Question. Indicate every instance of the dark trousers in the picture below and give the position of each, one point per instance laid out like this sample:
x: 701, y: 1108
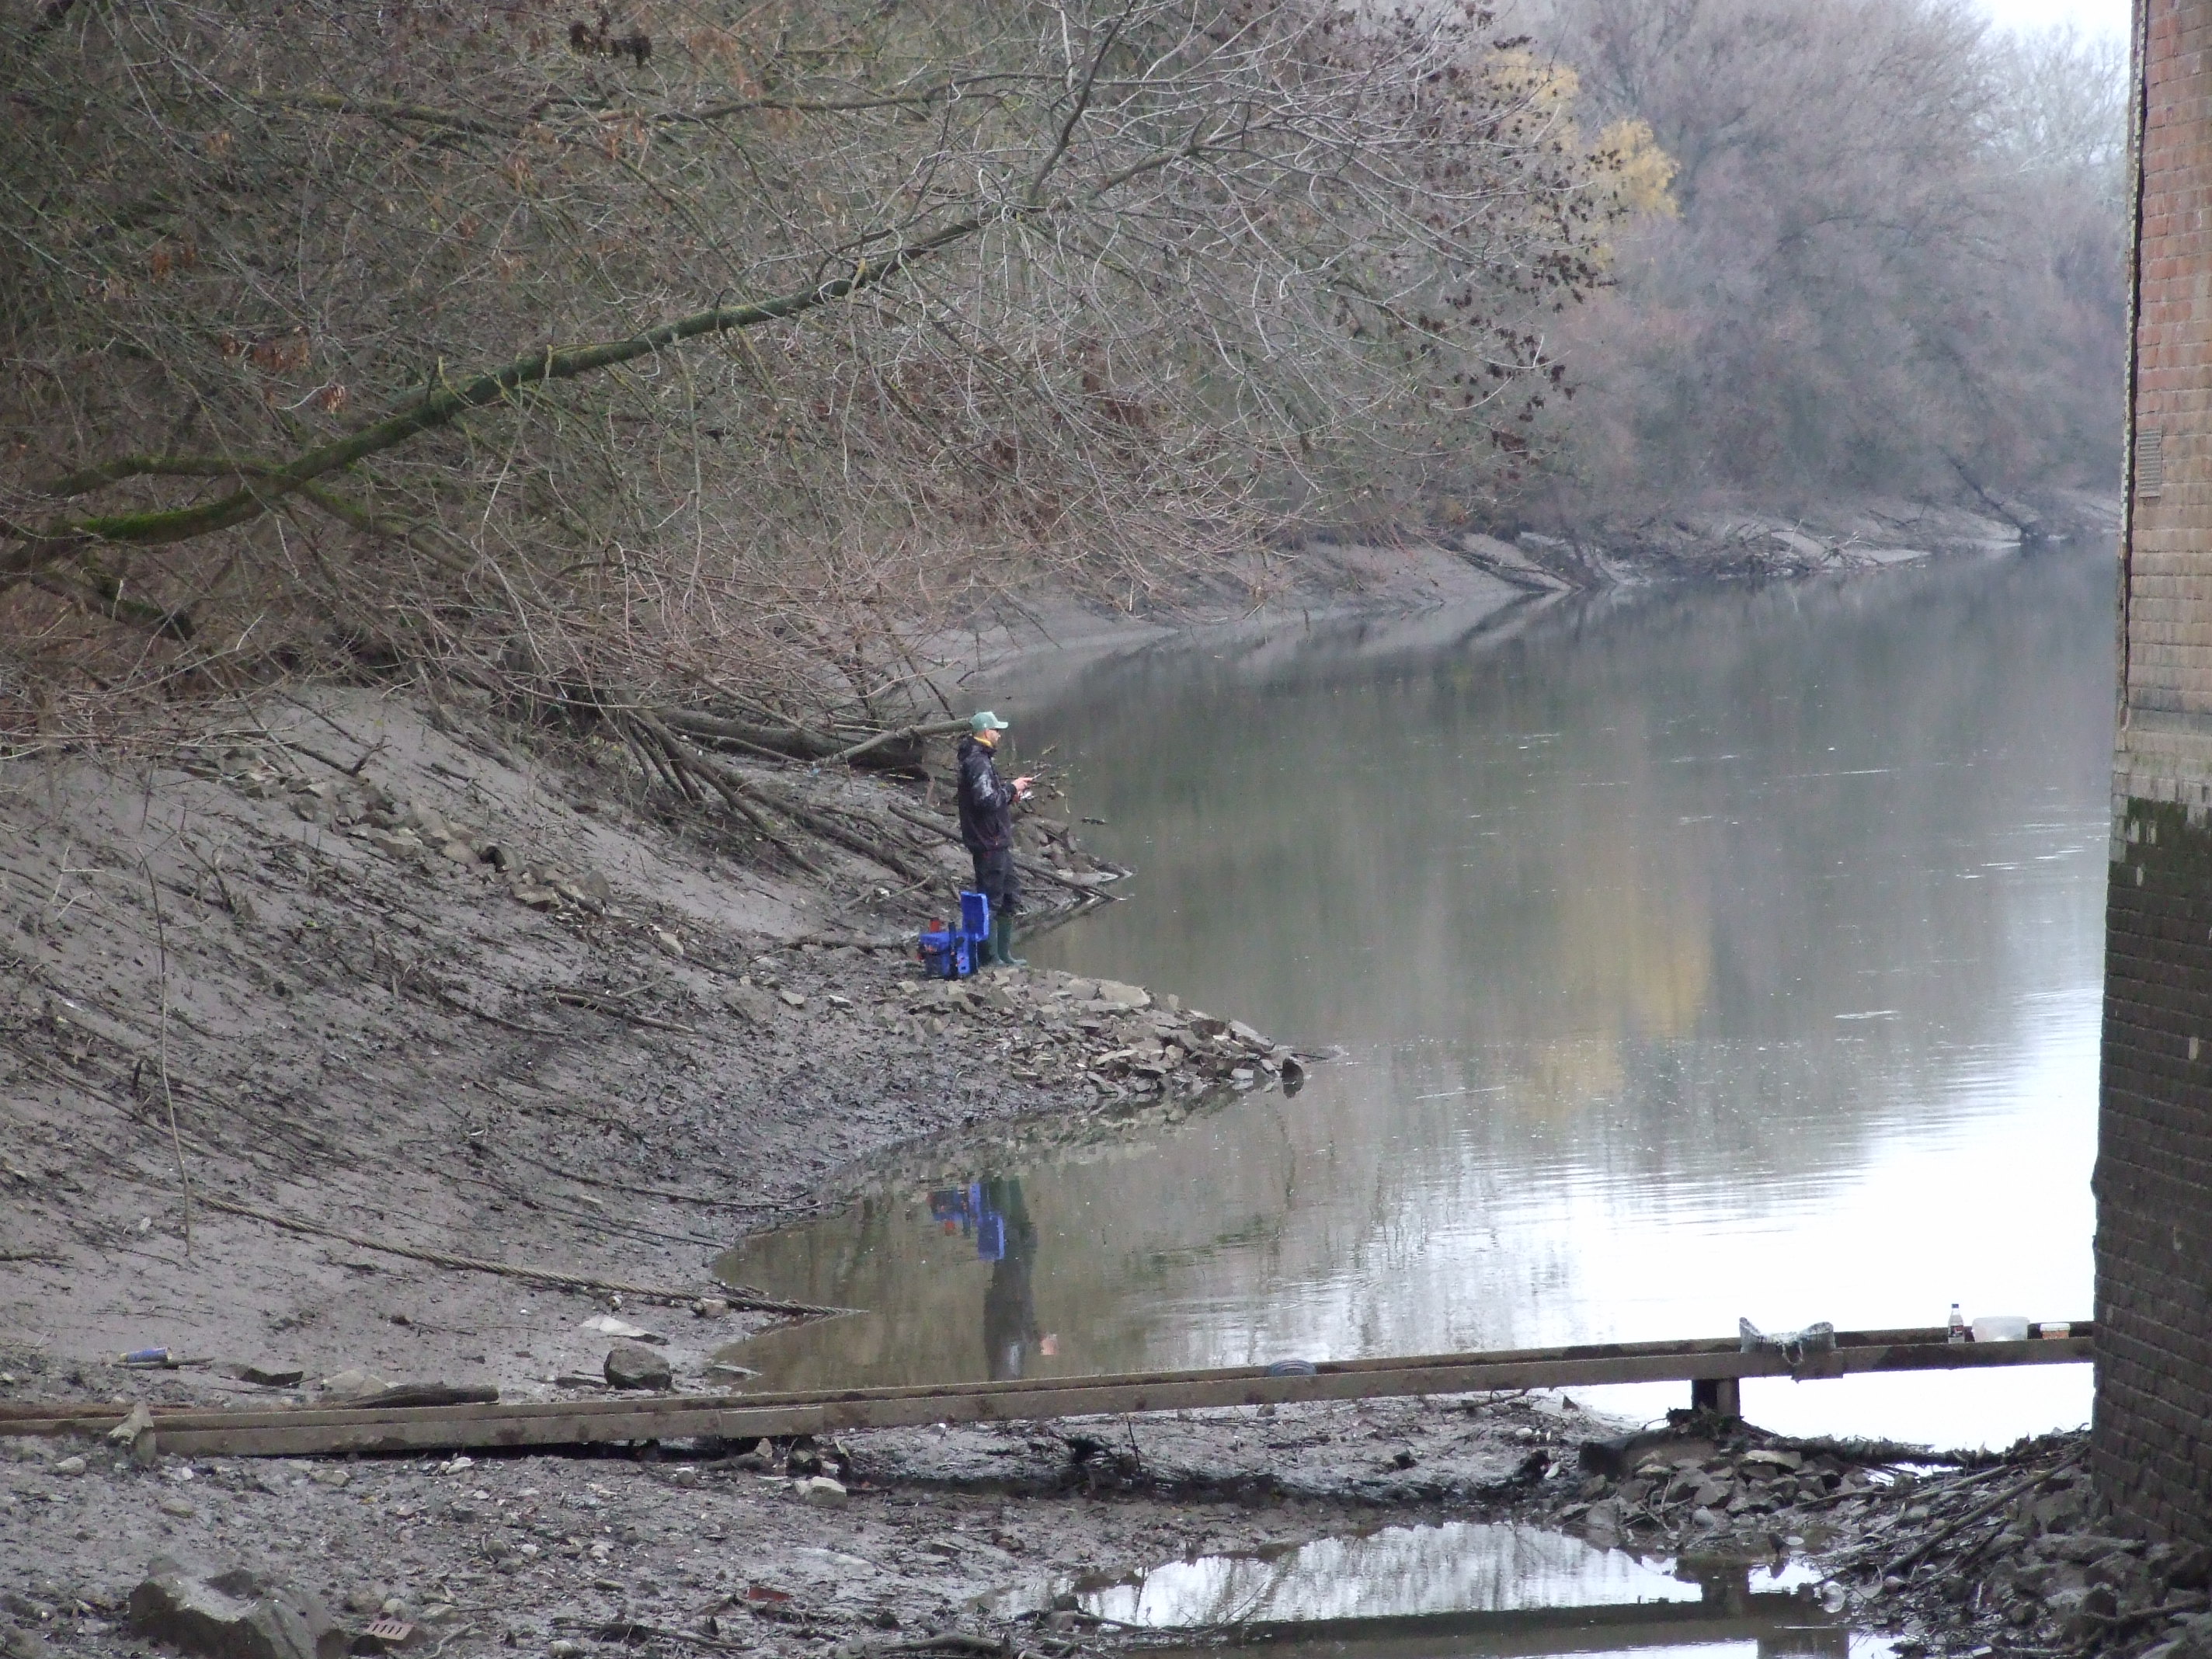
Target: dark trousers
x: 997, y: 881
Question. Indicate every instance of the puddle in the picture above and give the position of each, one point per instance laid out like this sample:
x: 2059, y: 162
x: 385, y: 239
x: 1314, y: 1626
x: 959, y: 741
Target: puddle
x: 999, y: 1260
x: 1468, y: 1586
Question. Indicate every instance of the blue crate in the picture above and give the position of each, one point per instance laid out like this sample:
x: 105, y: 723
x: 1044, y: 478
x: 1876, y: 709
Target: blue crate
x: 956, y: 952
x: 976, y: 916
x: 945, y: 954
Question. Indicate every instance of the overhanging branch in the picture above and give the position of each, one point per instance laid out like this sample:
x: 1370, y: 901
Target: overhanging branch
x: 271, y: 484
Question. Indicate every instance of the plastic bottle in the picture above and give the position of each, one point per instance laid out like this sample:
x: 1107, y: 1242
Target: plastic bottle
x: 1958, y: 1324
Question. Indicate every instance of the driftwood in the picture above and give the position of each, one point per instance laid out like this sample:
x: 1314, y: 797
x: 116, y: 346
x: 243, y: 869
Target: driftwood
x: 659, y: 745
x: 907, y: 737
x: 762, y: 803
x: 666, y: 741
x: 1934, y: 1540
x: 790, y: 742
x: 844, y: 826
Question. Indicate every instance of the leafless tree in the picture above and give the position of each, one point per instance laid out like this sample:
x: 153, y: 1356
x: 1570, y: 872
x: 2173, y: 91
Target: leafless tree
x: 703, y: 350
x: 1895, y: 257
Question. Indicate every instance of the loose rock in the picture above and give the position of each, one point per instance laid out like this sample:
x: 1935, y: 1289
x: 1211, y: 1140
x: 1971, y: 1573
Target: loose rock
x: 231, y: 1615
x: 632, y: 1365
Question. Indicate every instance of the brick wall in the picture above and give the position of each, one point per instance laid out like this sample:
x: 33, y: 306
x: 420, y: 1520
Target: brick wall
x: 2153, y: 1439
x: 2154, y: 1421
x: 2169, y: 623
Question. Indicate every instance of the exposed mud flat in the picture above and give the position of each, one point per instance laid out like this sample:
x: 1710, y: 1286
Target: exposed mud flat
x: 1706, y: 542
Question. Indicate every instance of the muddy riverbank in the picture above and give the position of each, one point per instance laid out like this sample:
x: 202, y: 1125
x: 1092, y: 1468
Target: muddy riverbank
x: 1168, y: 1529
x: 596, y: 1060
x: 287, y: 1047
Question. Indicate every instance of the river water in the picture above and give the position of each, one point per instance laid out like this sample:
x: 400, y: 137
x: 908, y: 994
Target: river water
x: 1695, y: 955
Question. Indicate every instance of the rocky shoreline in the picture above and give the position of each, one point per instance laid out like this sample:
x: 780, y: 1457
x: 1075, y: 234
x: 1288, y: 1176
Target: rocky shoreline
x: 969, y: 1538
x: 2008, y: 1552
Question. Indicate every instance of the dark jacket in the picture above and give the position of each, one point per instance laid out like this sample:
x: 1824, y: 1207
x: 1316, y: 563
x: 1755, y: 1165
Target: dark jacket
x: 987, y: 821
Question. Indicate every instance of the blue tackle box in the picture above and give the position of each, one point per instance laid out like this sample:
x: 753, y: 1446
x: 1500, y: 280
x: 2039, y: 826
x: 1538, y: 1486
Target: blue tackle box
x: 956, y: 952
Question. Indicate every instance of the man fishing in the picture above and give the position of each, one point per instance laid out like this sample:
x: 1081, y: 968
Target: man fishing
x: 987, y: 826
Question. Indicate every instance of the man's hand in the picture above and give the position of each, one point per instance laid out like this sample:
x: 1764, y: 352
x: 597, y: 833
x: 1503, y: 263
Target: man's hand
x: 1022, y: 788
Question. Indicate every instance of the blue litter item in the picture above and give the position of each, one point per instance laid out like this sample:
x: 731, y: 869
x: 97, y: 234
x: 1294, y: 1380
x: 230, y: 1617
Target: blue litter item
x: 956, y: 952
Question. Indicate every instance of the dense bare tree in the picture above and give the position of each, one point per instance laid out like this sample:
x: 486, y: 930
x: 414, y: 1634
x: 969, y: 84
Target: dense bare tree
x: 1895, y: 263
x: 720, y: 346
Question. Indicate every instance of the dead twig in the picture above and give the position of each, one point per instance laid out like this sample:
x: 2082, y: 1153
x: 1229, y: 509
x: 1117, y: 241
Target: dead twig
x: 1934, y: 1540
x: 453, y: 1001
x: 512, y: 1270
x: 903, y: 734
x: 161, y: 1046
x: 619, y: 1011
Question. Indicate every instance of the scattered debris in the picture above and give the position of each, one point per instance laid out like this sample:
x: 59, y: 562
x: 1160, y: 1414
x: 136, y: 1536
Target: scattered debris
x: 136, y: 1434
x: 1111, y: 1037
x: 2009, y: 1548
x: 264, y: 1376
x: 354, y: 1383
x: 608, y: 1325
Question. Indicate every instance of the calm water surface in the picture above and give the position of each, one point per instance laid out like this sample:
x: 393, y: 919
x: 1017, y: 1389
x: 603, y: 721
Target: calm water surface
x: 1466, y: 1588
x: 1696, y: 955
x: 1410, y: 1572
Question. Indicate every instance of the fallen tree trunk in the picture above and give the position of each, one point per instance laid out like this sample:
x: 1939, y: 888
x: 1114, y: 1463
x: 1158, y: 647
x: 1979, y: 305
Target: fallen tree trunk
x: 732, y: 786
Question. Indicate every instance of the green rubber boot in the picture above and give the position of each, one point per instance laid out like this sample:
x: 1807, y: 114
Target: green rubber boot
x: 1002, y: 944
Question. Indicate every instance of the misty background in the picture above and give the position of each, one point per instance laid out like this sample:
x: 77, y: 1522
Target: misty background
x: 1888, y: 258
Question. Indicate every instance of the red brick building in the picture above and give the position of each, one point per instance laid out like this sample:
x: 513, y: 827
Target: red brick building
x: 2153, y: 1415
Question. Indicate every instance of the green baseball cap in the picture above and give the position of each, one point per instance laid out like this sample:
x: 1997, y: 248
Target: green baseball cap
x: 985, y: 720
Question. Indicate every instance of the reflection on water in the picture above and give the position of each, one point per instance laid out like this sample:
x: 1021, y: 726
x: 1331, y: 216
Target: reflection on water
x: 1697, y: 955
x: 1462, y: 1587
x: 1462, y: 1566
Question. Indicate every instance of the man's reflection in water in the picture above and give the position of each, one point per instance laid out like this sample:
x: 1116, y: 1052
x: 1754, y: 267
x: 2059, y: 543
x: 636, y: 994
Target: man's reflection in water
x: 992, y: 1213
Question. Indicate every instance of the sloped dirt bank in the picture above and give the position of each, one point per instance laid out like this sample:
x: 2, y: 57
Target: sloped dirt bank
x: 369, y: 987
